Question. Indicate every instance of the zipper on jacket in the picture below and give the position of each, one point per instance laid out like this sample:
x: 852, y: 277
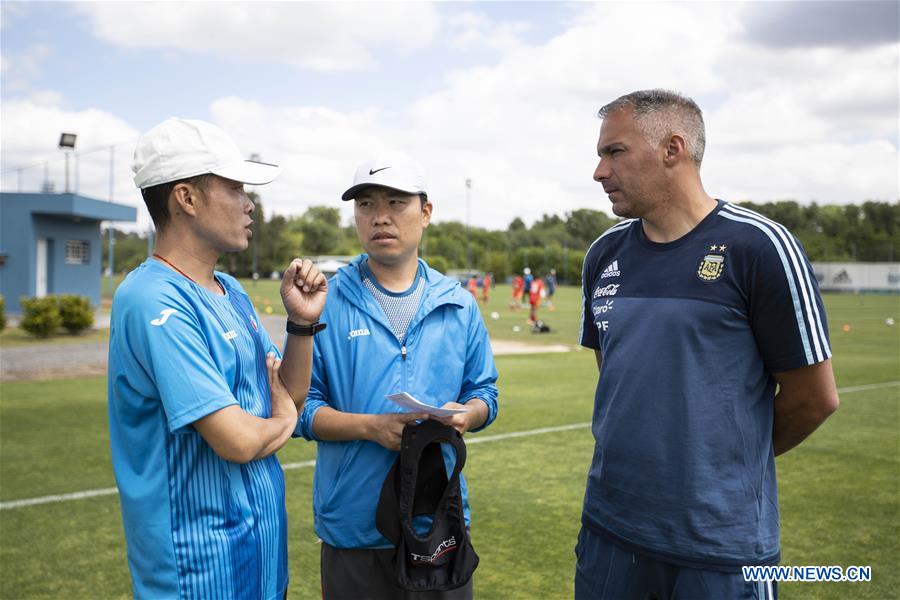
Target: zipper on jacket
x: 403, y: 351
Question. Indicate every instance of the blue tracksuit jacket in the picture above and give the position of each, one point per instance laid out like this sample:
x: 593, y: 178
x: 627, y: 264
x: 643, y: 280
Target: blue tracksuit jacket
x: 446, y: 357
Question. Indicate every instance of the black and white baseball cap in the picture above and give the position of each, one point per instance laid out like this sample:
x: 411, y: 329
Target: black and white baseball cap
x: 391, y: 170
x: 181, y: 148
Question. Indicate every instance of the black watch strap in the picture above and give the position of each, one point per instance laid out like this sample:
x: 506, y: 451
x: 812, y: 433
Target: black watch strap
x: 307, y: 330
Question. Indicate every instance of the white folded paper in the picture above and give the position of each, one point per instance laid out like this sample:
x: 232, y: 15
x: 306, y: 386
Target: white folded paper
x: 408, y: 402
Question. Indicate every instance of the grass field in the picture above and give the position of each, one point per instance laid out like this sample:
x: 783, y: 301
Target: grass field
x: 14, y: 337
x: 840, y: 490
x: 563, y: 318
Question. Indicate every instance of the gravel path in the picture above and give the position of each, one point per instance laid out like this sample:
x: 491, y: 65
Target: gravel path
x: 53, y: 361
x: 56, y: 361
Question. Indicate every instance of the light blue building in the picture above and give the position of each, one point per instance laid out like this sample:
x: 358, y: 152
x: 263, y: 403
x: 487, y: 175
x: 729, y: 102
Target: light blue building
x: 51, y: 244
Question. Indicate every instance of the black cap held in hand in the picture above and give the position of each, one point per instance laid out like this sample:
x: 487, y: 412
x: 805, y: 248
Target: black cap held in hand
x: 417, y: 484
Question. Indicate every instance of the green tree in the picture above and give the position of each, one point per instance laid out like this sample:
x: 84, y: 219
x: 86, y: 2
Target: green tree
x: 438, y: 263
x: 321, y: 228
x: 240, y: 264
x: 129, y: 250
x: 584, y: 225
x: 870, y: 232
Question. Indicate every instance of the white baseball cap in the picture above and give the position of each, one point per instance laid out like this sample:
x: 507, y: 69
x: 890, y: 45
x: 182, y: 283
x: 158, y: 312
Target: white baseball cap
x: 181, y: 148
x: 391, y: 170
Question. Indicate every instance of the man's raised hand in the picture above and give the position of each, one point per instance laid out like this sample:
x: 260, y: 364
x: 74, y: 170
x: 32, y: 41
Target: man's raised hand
x: 303, y: 291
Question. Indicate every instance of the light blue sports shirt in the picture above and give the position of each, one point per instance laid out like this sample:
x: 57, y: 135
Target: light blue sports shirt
x: 196, y: 525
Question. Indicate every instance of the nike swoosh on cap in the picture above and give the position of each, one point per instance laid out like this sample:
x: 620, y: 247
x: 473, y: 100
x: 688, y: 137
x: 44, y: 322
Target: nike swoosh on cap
x: 373, y: 171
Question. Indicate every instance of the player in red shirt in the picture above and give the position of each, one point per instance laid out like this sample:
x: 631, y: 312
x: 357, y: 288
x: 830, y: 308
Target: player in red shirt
x: 486, y: 287
x: 473, y: 287
x: 534, y: 297
x: 518, y: 286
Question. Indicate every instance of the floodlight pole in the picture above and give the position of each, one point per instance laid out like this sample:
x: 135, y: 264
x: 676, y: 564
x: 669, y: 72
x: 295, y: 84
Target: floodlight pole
x: 67, y: 143
x: 66, y: 152
x: 468, y: 241
x: 112, y: 171
x: 112, y: 267
x: 112, y: 165
x: 253, y: 275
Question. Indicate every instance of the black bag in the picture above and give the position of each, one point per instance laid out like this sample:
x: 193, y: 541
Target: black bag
x: 540, y: 327
x: 442, y: 559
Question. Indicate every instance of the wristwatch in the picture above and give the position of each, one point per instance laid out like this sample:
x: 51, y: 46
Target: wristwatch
x: 305, y: 330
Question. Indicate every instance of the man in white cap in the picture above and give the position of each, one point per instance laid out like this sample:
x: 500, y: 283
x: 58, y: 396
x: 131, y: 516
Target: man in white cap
x: 198, y: 403
x: 395, y: 325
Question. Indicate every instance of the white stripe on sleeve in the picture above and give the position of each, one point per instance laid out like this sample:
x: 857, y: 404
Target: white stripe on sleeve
x: 812, y: 308
x: 805, y: 309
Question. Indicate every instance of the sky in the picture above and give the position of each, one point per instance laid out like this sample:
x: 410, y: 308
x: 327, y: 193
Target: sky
x: 801, y: 99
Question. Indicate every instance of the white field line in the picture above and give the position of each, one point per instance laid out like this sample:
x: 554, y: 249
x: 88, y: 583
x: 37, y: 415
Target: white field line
x: 58, y: 498
x: 310, y: 463
x: 869, y: 386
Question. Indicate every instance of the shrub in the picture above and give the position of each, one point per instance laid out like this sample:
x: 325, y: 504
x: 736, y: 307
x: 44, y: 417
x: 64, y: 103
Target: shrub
x: 2, y: 313
x: 40, y: 316
x: 76, y: 312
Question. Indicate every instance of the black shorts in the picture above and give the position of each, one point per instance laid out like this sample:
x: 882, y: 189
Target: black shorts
x: 368, y: 574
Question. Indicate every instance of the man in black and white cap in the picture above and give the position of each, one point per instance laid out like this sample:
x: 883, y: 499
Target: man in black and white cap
x: 394, y: 325
x: 198, y: 403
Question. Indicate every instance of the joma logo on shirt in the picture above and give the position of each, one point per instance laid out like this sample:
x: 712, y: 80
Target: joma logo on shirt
x: 163, y: 317
x: 358, y: 332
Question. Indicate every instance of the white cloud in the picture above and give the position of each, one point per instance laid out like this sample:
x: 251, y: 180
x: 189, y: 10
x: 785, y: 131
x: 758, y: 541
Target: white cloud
x: 317, y: 147
x: 472, y: 31
x: 843, y: 94
x: 20, y: 69
x: 29, y: 140
x: 46, y: 98
x: 525, y: 130
x: 324, y: 36
x: 816, y: 124
x: 824, y: 172
x: 812, y: 124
